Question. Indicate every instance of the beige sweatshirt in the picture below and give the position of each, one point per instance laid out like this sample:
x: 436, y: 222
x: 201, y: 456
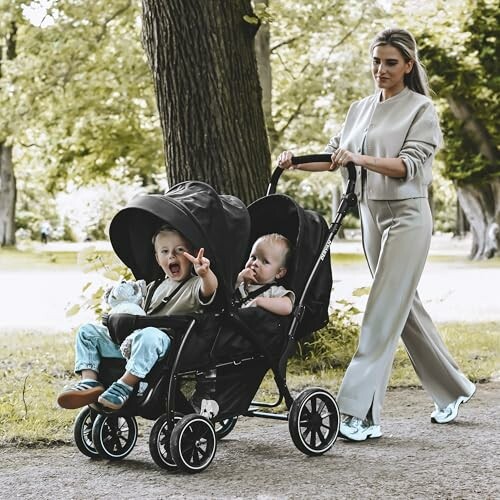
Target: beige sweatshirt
x: 405, y: 126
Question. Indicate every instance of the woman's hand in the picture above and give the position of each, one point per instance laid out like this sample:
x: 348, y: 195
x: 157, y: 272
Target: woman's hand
x: 342, y: 157
x: 285, y: 160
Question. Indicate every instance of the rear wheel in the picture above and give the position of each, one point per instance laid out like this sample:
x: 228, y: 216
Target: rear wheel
x: 113, y: 436
x: 159, y: 443
x: 82, y: 432
x: 193, y: 443
x: 313, y: 421
x: 224, y: 427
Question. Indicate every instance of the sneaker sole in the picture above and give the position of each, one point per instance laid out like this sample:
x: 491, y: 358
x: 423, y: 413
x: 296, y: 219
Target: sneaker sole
x: 373, y: 435
x: 453, y: 416
x: 109, y: 405
x: 77, y: 399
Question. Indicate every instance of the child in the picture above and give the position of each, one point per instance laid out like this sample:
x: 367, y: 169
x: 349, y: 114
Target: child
x: 180, y: 292
x: 257, y: 283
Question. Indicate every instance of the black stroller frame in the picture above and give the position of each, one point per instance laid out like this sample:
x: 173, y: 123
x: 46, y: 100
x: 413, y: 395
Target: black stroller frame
x: 183, y: 439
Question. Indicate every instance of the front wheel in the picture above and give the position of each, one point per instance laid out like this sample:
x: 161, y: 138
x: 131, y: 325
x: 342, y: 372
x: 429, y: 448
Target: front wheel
x: 159, y: 443
x: 82, y: 432
x: 114, y: 437
x: 193, y: 443
x: 314, y: 421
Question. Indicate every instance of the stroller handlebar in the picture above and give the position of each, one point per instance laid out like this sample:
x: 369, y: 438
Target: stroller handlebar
x: 316, y: 158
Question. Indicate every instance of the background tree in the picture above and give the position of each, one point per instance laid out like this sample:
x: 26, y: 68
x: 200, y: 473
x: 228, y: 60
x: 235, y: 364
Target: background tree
x: 78, y: 99
x: 8, y: 191
x: 465, y: 76
x: 202, y: 57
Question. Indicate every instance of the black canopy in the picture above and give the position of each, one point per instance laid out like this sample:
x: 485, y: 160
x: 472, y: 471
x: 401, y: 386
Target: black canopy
x: 218, y: 223
x: 308, y: 232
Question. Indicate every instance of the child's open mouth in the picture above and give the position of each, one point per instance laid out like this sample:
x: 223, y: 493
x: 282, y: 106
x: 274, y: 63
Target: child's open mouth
x: 174, y: 269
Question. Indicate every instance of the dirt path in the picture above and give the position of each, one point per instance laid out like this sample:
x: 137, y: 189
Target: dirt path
x: 414, y: 459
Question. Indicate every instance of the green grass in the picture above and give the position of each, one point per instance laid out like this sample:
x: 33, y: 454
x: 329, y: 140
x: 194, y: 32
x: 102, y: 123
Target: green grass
x: 13, y: 259
x: 35, y: 366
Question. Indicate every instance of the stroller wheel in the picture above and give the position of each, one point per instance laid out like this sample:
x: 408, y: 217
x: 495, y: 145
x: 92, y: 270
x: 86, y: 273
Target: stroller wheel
x: 113, y: 436
x: 224, y: 427
x: 193, y: 443
x: 82, y: 432
x: 314, y: 421
x: 159, y: 443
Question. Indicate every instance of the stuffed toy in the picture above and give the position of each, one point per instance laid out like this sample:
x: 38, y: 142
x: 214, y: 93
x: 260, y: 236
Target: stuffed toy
x: 126, y: 297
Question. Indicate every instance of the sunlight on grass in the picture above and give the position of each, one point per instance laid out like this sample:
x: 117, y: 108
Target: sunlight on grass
x: 35, y: 366
x: 12, y: 259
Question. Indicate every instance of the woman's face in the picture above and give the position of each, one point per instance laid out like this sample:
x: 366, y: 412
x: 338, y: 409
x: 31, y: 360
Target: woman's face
x: 389, y: 69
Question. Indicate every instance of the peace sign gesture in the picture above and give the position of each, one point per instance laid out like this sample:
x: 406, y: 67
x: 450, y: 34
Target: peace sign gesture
x: 201, y: 264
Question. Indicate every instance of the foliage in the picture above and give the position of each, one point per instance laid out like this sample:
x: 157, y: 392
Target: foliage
x: 319, y: 58
x: 463, y: 69
x: 80, y: 104
x: 106, y: 270
x: 333, y: 346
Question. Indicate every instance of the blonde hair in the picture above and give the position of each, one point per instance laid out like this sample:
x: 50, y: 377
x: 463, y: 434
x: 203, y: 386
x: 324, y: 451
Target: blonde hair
x: 405, y: 43
x: 168, y: 229
x: 279, y: 239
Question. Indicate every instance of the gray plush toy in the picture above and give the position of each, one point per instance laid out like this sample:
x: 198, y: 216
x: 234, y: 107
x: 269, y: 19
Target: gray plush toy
x: 126, y: 297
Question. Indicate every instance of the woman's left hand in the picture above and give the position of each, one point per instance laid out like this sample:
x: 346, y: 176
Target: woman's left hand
x: 342, y: 157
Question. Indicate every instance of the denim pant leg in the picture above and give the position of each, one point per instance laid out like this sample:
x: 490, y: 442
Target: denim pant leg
x: 92, y: 344
x: 148, y: 346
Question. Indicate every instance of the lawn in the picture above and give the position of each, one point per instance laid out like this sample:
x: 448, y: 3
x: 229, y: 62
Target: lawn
x: 35, y: 367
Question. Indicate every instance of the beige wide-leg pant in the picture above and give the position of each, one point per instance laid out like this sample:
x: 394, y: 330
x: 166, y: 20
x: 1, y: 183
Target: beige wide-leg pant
x: 396, y: 240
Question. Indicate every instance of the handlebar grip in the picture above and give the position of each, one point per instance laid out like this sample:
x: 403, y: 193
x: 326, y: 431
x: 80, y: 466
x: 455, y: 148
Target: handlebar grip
x: 324, y: 157
x: 320, y: 158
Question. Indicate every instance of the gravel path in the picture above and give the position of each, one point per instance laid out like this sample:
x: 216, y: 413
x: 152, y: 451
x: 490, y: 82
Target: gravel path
x: 413, y: 460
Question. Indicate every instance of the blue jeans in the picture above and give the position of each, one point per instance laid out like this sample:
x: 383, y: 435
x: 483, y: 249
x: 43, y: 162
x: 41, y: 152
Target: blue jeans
x: 94, y: 343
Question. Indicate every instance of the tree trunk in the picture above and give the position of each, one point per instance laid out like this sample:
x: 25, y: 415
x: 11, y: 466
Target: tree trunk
x: 8, y: 195
x: 481, y: 205
x: 263, y: 54
x: 8, y: 190
x: 474, y: 127
x: 202, y: 58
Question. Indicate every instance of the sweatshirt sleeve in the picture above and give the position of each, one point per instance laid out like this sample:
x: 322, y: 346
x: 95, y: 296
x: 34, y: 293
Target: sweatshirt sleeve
x: 422, y: 141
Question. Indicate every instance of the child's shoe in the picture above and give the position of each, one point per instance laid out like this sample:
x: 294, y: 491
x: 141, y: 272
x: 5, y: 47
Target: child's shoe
x: 116, y: 395
x: 209, y: 408
x: 80, y: 394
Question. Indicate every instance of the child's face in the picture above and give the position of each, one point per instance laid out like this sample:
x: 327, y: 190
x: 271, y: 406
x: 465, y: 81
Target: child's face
x: 266, y: 262
x: 169, y: 248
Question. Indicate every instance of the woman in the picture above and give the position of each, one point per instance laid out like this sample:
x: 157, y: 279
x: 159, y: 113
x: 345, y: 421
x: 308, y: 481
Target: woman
x: 392, y: 137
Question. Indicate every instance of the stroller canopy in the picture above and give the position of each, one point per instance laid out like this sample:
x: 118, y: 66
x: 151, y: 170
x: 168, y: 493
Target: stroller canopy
x: 307, y: 231
x: 218, y: 223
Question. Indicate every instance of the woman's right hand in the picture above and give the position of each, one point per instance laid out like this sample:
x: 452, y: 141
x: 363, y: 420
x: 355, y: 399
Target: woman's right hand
x: 285, y: 160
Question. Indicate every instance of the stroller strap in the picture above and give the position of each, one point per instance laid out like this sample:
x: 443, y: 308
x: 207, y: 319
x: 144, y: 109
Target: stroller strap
x: 165, y: 300
x: 239, y: 299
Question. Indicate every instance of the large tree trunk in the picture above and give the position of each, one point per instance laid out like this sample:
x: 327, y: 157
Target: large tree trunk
x: 7, y: 197
x: 202, y: 57
x: 481, y: 205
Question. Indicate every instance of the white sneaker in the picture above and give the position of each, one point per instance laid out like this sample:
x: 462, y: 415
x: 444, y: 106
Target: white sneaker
x: 448, y: 414
x: 355, y: 429
x: 209, y: 408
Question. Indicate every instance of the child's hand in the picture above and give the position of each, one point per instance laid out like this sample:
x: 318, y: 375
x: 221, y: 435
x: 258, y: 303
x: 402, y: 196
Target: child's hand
x: 201, y: 264
x: 247, y: 276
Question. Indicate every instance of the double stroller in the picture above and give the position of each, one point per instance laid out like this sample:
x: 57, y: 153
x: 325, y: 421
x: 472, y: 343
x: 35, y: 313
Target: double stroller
x: 239, y: 345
